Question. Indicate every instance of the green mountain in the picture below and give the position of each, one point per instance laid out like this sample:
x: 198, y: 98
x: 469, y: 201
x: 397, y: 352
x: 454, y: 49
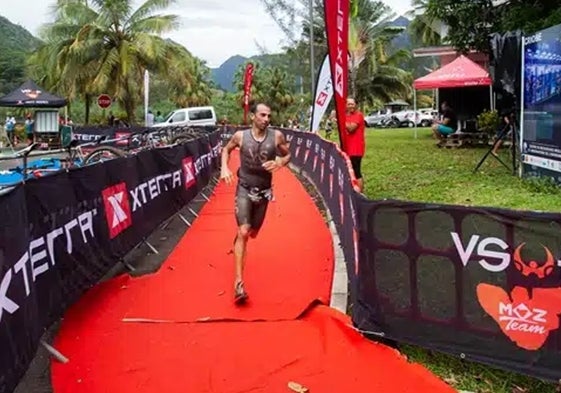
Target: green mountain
x: 223, y: 76
x: 16, y: 44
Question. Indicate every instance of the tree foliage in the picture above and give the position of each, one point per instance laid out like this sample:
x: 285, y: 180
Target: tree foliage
x: 106, y: 46
x: 471, y: 22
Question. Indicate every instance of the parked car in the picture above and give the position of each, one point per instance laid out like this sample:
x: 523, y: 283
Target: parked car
x: 194, y: 116
x: 374, y: 119
x: 410, y: 118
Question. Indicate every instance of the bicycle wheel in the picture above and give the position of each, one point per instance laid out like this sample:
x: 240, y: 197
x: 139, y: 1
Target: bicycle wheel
x: 182, y: 138
x: 104, y: 153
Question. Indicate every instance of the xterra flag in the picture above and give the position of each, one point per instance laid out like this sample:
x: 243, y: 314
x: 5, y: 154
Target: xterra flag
x: 324, y: 93
x: 248, y: 77
x: 337, y: 31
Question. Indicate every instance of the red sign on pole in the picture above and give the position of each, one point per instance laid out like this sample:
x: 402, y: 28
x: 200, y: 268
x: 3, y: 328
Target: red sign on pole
x: 337, y: 31
x: 104, y: 101
x: 248, y: 77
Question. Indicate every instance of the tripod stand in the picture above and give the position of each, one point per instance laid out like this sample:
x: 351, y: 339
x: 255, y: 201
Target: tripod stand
x: 509, y: 128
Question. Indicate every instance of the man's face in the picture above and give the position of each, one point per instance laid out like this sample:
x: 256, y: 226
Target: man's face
x: 262, y: 117
x: 351, y: 105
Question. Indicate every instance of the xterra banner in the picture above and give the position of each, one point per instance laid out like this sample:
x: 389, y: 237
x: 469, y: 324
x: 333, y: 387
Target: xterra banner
x: 337, y: 31
x: 480, y: 283
x: 61, y: 233
x: 324, y: 163
x: 323, y: 94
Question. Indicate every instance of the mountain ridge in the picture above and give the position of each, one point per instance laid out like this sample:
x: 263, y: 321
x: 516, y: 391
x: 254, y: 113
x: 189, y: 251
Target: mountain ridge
x: 223, y: 76
x: 16, y: 44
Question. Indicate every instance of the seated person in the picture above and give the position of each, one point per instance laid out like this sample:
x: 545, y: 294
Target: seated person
x: 448, y: 124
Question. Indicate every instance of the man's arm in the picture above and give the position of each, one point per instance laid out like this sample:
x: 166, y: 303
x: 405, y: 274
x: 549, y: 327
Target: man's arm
x: 233, y: 143
x: 283, y: 149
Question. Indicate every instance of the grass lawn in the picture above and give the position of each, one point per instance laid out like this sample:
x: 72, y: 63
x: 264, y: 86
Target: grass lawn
x: 398, y: 166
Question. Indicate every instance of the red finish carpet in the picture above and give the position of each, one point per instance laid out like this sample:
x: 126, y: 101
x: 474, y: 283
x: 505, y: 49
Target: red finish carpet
x: 178, y: 330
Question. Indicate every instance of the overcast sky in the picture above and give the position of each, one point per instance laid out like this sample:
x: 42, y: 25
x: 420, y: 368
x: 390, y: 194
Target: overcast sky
x: 212, y: 30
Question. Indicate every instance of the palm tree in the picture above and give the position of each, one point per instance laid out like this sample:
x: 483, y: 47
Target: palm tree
x: 422, y: 29
x: 370, y: 32
x: 100, y: 46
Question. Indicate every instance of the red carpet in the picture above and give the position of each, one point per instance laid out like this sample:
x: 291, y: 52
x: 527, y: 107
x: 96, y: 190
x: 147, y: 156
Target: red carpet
x: 147, y: 335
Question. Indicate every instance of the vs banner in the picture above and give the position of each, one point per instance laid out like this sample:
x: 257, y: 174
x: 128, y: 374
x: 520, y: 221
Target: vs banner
x: 337, y: 31
x: 323, y: 95
x: 248, y: 78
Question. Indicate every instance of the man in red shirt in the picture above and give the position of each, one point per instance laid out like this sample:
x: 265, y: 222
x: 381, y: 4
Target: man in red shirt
x: 353, y: 140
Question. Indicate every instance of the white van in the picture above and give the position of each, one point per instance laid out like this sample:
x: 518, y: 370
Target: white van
x: 194, y: 116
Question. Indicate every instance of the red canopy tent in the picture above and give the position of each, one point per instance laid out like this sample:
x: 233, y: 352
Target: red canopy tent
x: 462, y: 72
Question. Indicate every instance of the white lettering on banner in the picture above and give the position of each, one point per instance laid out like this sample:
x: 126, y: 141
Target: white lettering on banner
x: 152, y: 188
x: 339, y: 80
x: 483, y: 251
x: 533, y: 39
x: 323, y: 154
x: 316, y: 148
x: 523, y: 318
x: 87, y: 137
x: 331, y: 163
x: 309, y: 144
x: 40, y: 257
x: 341, y: 179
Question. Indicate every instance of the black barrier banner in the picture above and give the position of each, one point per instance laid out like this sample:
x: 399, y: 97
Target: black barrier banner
x: 61, y: 233
x: 329, y: 169
x: 480, y: 283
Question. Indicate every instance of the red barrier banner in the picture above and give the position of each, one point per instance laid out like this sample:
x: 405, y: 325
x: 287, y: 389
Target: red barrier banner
x: 337, y: 31
x: 248, y: 77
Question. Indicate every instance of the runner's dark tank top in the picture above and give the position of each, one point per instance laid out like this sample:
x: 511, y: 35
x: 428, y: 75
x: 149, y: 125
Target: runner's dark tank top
x: 253, y: 154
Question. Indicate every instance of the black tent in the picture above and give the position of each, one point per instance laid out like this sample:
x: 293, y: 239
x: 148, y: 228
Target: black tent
x: 29, y: 95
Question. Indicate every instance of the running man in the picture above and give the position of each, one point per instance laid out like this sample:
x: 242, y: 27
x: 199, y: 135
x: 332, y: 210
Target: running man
x: 262, y: 152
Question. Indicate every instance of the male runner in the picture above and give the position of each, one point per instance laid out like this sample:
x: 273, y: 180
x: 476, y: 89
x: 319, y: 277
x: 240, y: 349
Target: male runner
x: 262, y: 151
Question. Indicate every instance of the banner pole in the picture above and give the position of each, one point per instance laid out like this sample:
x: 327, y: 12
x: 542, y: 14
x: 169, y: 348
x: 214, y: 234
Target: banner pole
x: 312, y: 65
x: 146, y: 96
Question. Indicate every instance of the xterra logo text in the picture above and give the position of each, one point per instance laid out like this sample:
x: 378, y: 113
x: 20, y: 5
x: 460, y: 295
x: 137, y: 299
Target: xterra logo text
x: 117, y: 199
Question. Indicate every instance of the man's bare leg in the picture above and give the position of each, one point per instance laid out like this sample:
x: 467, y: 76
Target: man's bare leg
x: 239, y: 254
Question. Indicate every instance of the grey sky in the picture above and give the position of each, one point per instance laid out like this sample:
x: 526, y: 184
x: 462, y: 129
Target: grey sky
x: 213, y: 30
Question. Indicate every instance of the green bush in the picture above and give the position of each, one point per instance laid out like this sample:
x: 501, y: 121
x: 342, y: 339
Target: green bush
x: 488, y: 121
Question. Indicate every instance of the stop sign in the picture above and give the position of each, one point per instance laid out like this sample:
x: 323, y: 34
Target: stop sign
x: 104, y: 101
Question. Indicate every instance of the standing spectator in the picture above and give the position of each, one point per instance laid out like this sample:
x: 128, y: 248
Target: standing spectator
x: 111, y: 119
x: 159, y: 118
x: 149, y: 119
x: 10, y: 128
x: 29, y: 128
x: 353, y: 139
x: 329, y: 123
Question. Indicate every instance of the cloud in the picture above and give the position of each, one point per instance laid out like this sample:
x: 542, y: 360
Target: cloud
x: 213, y: 30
